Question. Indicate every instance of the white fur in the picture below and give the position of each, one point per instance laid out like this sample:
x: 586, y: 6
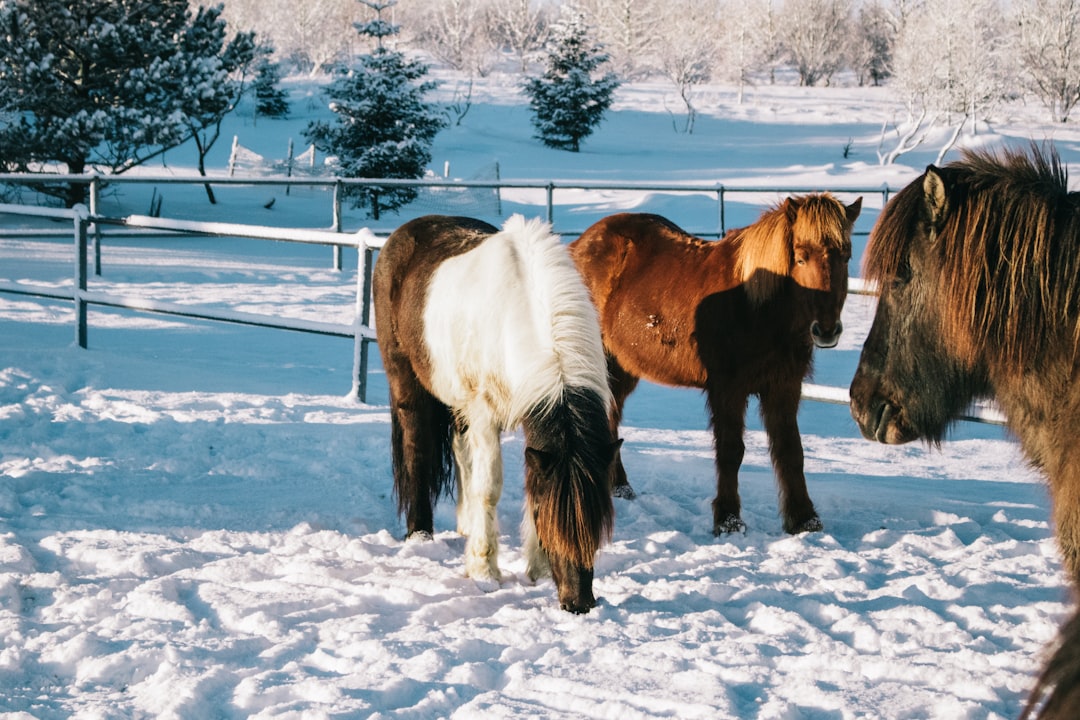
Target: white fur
x: 507, y: 325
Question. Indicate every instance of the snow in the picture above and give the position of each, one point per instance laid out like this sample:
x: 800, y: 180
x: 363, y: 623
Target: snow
x: 196, y: 520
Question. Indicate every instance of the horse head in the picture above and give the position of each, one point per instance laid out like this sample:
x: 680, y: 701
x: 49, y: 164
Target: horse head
x: 820, y: 231
x: 568, y: 468
x: 910, y: 383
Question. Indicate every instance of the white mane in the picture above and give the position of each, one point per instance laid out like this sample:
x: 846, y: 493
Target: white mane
x: 531, y: 328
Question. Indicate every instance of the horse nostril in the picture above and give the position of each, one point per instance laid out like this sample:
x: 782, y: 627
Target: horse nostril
x: 815, y: 329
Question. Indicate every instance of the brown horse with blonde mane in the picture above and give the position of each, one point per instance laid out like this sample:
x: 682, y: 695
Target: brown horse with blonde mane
x: 978, y: 266
x: 736, y: 317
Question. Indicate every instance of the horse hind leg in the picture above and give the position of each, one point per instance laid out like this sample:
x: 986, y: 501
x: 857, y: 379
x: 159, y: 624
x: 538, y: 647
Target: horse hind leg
x: 622, y: 384
x: 479, y: 456
x: 420, y: 446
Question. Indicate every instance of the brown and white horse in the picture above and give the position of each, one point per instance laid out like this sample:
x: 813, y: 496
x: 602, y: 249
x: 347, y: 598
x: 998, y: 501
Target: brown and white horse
x: 480, y: 331
x: 736, y: 317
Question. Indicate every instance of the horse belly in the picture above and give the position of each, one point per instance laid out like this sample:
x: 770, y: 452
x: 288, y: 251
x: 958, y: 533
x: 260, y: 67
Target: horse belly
x: 650, y: 347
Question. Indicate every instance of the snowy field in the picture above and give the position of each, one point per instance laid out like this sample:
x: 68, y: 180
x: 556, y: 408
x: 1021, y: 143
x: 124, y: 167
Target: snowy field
x: 196, y: 520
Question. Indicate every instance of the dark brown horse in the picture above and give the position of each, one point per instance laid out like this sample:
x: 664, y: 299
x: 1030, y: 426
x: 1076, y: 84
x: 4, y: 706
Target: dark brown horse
x: 737, y: 317
x: 978, y: 266
x: 482, y: 331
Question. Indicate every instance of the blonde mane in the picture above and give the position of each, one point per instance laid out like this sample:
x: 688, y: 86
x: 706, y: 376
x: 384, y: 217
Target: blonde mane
x: 766, y: 249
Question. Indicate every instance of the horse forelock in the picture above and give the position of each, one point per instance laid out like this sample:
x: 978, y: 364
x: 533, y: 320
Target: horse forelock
x: 1010, y: 258
x: 569, y: 492
x: 891, y: 234
x: 822, y: 222
x: 1007, y: 255
x: 766, y: 248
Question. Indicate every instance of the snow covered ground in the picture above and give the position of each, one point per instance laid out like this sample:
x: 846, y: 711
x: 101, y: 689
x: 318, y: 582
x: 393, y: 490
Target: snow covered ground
x: 196, y: 520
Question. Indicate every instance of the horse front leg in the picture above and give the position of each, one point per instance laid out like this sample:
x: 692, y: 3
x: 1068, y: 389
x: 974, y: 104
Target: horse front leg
x: 478, y: 450
x: 728, y: 424
x: 779, y: 412
x: 622, y: 384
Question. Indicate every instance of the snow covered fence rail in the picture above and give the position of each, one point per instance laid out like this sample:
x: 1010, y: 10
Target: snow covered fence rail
x: 364, y: 241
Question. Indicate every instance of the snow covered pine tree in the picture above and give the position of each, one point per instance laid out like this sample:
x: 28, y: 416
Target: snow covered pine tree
x: 384, y: 127
x: 567, y: 101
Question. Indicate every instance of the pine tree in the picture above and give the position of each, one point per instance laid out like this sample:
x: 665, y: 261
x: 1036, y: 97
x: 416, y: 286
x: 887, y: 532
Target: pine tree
x: 270, y: 100
x: 109, y: 84
x: 384, y: 128
x: 567, y: 101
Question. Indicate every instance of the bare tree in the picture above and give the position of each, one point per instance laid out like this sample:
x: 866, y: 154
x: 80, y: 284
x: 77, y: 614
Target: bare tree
x: 744, y: 43
x: 687, y: 52
x: 518, y: 25
x: 312, y: 35
x: 872, y: 42
x: 816, y: 37
x: 627, y: 28
x: 455, y: 32
x: 1049, y: 52
x: 951, y: 67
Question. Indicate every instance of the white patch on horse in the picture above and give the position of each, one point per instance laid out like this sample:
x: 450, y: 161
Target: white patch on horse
x: 507, y: 325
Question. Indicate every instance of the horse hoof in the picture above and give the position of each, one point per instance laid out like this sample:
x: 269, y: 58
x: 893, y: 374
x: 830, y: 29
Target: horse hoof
x: 624, y: 491
x: 417, y: 536
x: 730, y: 524
x: 812, y: 524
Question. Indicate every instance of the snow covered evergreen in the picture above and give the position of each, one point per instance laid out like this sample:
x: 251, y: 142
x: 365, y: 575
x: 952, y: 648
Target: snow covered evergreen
x: 384, y: 128
x: 568, y: 101
x: 109, y: 84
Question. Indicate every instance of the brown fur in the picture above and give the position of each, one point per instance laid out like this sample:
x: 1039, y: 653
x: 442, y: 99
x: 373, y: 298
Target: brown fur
x: 978, y: 266
x: 732, y: 317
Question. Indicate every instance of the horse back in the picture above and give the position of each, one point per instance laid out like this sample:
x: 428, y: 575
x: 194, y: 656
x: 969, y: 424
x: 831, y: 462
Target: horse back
x: 400, y: 280
x: 647, y: 276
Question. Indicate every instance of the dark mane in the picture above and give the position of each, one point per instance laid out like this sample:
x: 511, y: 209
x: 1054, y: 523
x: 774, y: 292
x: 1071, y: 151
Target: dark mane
x: 572, y: 499
x: 1008, y: 253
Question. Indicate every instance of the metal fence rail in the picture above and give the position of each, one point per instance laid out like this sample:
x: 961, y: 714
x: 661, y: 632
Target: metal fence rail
x: 721, y: 192
x: 364, y: 241
x: 361, y: 330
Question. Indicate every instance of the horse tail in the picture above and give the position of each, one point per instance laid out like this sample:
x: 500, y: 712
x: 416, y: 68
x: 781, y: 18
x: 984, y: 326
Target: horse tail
x: 1058, y: 689
x: 422, y: 455
x: 568, y: 488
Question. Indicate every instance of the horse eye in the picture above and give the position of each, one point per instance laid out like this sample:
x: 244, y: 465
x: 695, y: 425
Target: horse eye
x: 903, y: 273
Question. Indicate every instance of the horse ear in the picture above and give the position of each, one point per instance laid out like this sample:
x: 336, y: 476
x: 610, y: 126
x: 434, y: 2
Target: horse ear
x: 614, y: 447
x: 934, y: 195
x: 791, y: 209
x: 853, y: 210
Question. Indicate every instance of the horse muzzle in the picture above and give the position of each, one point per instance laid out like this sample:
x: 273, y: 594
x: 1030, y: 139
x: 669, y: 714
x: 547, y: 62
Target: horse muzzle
x: 574, y: 584
x: 823, y: 338
x: 882, y: 421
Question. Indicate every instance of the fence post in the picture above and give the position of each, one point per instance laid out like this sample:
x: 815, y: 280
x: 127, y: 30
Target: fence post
x: 363, y: 312
x: 336, y: 223
x: 551, y: 202
x: 720, y: 210
x: 81, y: 220
x: 95, y: 189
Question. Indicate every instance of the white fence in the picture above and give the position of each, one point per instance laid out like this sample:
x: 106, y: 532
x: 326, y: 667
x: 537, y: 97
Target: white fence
x: 364, y: 241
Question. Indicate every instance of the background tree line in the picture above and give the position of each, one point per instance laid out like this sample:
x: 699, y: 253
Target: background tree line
x: 109, y: 84
x: 953, y: 59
